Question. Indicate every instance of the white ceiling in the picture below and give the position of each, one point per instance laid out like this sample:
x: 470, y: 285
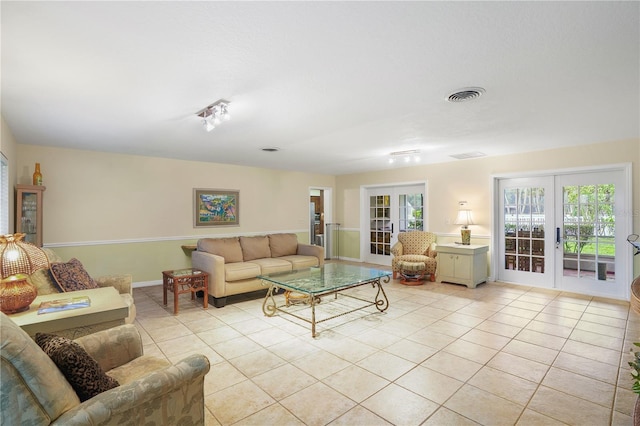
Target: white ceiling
x: 336, y: 86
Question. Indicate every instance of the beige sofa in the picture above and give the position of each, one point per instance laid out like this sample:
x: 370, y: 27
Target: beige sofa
x: 44, y: 282
x: 234, y: 263
x: 152, y: 391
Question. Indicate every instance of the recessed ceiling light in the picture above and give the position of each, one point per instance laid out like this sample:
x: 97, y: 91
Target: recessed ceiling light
x: 466, y: 94
x: 271, y: 149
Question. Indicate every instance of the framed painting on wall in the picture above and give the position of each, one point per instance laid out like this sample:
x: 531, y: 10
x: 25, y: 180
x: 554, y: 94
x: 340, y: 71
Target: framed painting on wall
x: 215, y: 207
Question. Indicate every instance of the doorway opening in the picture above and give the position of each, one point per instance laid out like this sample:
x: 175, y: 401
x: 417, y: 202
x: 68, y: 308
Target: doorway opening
x: 320, y: 219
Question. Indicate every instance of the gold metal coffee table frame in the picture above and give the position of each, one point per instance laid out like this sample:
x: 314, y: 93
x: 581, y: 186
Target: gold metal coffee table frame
x: 315, y: 283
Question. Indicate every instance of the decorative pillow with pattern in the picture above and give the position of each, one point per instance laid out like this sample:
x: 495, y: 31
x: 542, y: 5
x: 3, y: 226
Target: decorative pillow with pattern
x: 72, y: 276
x: 82, y: 372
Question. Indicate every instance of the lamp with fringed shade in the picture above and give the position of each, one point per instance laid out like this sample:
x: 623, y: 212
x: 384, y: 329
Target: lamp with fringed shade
x: 18, y: 260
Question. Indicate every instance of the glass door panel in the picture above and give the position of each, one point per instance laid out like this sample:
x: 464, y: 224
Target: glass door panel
x: 410, y: 208
x: 589, y: 232
x: 525, y: 217
x: 380, y: 224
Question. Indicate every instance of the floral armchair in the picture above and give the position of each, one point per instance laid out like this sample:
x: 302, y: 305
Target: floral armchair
x: 151, y: 391
x: 415, y: 246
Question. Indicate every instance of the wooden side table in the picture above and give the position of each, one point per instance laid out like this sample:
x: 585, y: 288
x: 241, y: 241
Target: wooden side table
x: 185, y: 281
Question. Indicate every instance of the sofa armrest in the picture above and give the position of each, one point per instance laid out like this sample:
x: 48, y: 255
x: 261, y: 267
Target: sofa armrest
x: 122, y: 283
x: 312, y: 250
x: 174, y: 395
x: 113, y: 347
x: 214, y: 266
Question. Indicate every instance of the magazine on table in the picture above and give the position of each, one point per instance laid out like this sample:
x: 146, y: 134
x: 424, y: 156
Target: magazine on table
x: 64, y: 304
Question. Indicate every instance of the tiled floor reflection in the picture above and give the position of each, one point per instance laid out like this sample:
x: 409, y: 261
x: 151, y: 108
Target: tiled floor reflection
x: 442, y: 354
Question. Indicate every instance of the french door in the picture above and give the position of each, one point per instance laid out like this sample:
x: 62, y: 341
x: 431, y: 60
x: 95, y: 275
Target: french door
x: 565, y: 231
x: 589, y: 234
x: 390, y: 210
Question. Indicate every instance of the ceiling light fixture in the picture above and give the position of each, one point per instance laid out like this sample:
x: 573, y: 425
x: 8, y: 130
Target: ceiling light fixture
x: 406, y: 156
x: 214, y: 114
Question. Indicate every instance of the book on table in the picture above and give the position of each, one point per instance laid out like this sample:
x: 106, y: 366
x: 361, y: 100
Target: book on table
x: 64, y: 304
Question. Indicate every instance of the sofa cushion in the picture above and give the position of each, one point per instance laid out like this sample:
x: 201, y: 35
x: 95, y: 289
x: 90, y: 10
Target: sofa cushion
x: 71, y: 276
x: 283, y: 244
x: 82, y: 371
x: 241, y: 271
x: 229, y: 248
x: 255, y: 247
x: 44, y: 282
x: 271, y: 265
x: 301, y: 262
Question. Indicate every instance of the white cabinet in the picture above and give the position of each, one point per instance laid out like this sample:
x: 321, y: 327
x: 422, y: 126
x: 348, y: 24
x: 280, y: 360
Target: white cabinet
x: 461, y: 264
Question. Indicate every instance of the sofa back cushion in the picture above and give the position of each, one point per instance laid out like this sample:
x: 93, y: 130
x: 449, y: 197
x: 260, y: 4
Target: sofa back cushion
x: 229, y: 248
x: 42, y: 278
x: 255, y: 247
x: 33, y: 390
x: 283, y: 244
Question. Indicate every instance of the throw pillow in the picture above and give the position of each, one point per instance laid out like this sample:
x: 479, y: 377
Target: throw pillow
x: 71, y: 276
x: 283, y: 244
x: 255, y: 247
x: 83, y: 373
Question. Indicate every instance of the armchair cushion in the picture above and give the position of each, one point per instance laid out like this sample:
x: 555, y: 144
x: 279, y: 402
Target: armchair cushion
x: 71, y: 276
x: 83, y: 372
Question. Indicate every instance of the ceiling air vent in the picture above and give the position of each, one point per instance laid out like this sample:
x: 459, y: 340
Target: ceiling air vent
x: 468, y: 155
x: 270, y: 149
x: 467, y: 94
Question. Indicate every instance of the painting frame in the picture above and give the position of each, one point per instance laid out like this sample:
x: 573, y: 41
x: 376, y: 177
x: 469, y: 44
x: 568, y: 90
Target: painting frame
x: 215, y: 207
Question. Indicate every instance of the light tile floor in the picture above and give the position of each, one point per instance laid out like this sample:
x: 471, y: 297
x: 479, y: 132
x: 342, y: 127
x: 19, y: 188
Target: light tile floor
x: 442, y: 354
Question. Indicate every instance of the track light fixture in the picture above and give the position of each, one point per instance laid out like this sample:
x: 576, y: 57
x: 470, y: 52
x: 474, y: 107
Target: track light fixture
x: 214, y: 114
x: 405, y: 156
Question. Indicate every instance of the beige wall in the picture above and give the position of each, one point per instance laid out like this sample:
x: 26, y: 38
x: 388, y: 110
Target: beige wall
x: 471, y: 180
x: 123, y: 213
x: 8, y: 147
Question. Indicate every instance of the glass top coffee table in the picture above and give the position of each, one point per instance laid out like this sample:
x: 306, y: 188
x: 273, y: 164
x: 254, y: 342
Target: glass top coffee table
x: 308, y: 285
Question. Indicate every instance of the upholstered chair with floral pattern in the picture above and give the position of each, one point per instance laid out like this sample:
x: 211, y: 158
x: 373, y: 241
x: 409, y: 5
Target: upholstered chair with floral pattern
x: 149, y: 390
x: 415, y: 246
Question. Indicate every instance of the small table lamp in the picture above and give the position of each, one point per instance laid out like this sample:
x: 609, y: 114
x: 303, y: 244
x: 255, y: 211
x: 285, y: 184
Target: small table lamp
x: 464, y: 218
x: 18, y: 260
